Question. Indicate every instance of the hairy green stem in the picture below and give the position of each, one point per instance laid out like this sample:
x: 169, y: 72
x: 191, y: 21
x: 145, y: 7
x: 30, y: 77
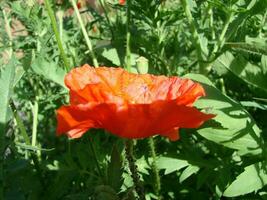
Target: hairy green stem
x: 133, y: 168
x: 86, y: 37
x: 154, y: 166
x: 55, y: 29
x: 128, y: 37
x: 196, y: 39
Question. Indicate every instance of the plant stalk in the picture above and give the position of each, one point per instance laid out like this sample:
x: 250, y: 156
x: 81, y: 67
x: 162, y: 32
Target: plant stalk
x: 86, y: 37
x: 133, y: 168
x: 154, y: 166
x: 55, y: 29
x: 221, y: 39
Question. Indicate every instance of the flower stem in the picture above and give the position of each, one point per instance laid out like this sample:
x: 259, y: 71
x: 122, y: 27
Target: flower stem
x: 86, y: 37
x: 128, y: 37
x: 154, y: 166
x: 55, y: 29
x: 133, y: 168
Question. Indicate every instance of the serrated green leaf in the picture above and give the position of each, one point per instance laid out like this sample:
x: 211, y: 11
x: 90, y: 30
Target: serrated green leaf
x: 171, y: 164
x: 237, y: 129
x: 112, y: 55
x: 252, y: 179
x: 50, y: 70
x: 190, y: 170
x: 115, y: 170
x: 253, y: 8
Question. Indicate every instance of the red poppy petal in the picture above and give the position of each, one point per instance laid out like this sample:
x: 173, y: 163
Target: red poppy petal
x: 130, y: 120
x: 104, y: 84
x: 76, y: 120
x: 172, y: 134
x: 129, y: 105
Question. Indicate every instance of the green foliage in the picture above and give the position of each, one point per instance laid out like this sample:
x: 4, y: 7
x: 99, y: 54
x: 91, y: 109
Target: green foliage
x: 115, y: 170
x: 252, y: 74
x: 220, y: 44
x: 233, y: 125
x: 252, y: 179
x: 7, y: 77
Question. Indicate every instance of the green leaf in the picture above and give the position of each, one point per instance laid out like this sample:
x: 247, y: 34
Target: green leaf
x: 7, y: 76
x: 253, y: 104
x: 252, y: 179
x: 234, y: 127
x: 190, y: 170
x: 246, y: 71
x: 32, y: 148
x: 115, y: 170
x: 50, y: 70
x: 253, y: 8
x: 112, y: 55
x: 171, y: 164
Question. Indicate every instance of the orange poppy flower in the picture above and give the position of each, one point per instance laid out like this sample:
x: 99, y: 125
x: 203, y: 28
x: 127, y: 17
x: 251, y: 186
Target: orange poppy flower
x: 122, y: 2
x: 129, y: 105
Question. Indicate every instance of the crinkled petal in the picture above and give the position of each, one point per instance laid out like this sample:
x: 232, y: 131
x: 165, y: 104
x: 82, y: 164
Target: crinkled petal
x: 130, y: 120
x: 105, y: 84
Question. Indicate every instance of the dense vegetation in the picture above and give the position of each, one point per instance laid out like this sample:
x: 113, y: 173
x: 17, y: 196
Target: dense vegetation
x: 221, y: 44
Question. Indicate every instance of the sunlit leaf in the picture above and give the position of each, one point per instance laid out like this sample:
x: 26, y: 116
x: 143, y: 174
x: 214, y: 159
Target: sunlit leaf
x: 189, y: 171
x: 50, y: 70
x: 236, y: 129
x: 252, y: 179
x: 246, y: 71
x: 171, y: 164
